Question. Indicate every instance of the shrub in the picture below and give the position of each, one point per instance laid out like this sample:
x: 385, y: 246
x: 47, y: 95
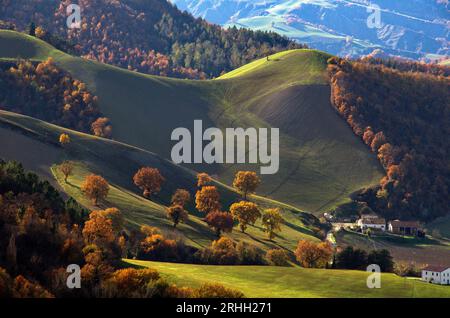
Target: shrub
x: 277, y: 257
x: 249, y: 254
x: 217, y: 291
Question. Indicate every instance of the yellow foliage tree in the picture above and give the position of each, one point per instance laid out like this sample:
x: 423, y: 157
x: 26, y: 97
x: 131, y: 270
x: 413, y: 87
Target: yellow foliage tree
x: 271, y: 222
x: 246, y: 182
x: 245, y: 213
x: 64, y: 139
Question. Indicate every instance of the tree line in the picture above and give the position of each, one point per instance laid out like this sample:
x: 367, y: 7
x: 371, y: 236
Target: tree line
x: 402, y: 113
x: 152, y: 37
x: 44, y: 91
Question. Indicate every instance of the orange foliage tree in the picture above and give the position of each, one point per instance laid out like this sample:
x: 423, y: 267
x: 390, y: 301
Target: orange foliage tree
x: 220, y: 221
x: 102, y: 127
x: 181, y: 197
x: 98, y: 229
x: 246, y: 182
x: 149, y: 180
x: 207, y: 199
x: 203, y: 179
x: 95, y: 188
x: 313, y: 255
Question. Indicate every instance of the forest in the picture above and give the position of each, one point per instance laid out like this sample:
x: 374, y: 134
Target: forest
x: 174, y: 43
x: 40, y: 234
x: 44, y: 91
x: 401, y: 110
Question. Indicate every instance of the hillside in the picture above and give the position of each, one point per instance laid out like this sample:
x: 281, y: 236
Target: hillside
x: 402, y: 114
x: 173, y: 42
x: 34, y: 143
x: 321, y: 161
x: 275, y: 282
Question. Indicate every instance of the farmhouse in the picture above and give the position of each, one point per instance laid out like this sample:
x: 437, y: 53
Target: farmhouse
x: 404, y: 227
x: 436, y: 275
x: 372, y: 223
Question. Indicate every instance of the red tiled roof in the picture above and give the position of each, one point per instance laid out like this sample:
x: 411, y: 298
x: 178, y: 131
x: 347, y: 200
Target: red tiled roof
x: 436, y: 268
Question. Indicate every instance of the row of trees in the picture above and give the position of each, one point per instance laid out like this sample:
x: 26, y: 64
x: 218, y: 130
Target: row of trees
x: 207, y: 199
x: 44, y: 91
x: 153, y: 37
x: 403, y: 116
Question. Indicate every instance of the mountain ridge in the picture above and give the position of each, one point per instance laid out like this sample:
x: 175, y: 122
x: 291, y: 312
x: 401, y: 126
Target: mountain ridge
x: 417, y: 30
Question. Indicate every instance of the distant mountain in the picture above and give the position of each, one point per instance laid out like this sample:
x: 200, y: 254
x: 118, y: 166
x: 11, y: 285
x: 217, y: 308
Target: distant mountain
x: 408, y: 28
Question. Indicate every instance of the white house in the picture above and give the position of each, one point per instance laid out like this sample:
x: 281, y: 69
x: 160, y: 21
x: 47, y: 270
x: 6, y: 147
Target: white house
x: 372, y: 223
x: 436, y: 275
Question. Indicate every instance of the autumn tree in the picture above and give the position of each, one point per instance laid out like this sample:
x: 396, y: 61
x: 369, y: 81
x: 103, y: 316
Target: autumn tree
x: 313, y: 255
x: 207, y: 199
x: 102, y: 127
x: 40, y: 32
x: 64, y: 139
x: 149, y: 180
x: 156, y: 247
x: 95, y: 188
x: 271, y: 222
x: 181, y: 197
x: 246, y: 182
x: 177, y: 214
x: 116, y: 217
x: 224, y: 251
x: 277, y: 257
x: 220, y: 221
x: 203, y: 179
x: 245, y: 213
x: 66, y: 168
x: 98, y: 229
x: 23, y: 288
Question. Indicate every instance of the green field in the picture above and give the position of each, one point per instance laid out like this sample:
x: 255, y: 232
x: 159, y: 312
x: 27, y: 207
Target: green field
x: 275, y: 282
x: 321, y: 161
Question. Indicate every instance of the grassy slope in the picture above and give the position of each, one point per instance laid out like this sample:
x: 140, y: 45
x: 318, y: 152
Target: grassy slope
x: 274, y: 282
x: 33, y: 142
x: 322, y: 162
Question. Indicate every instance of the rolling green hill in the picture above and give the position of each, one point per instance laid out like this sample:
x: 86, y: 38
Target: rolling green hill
x: 321, y: 161
x: 34, y: 143
x: 275, y: 282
